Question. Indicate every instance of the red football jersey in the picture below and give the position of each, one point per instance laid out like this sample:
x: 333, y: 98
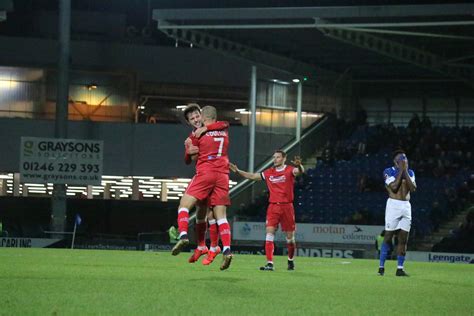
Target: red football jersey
x: 212, y: 155
x: 219, y: 125
x: 187, y: 158
x: 280, y: 183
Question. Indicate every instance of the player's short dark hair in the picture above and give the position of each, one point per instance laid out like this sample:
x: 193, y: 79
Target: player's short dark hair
x: 281, y: 152
x: 396, y: 152
x: 190, y: 108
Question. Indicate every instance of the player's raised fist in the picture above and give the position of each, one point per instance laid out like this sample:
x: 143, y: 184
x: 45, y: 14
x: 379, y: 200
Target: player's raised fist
x: 233, y: 167
x: 296, y: 161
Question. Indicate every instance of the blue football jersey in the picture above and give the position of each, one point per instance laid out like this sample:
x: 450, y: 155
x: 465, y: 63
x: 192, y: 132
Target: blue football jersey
x: 390, y: 174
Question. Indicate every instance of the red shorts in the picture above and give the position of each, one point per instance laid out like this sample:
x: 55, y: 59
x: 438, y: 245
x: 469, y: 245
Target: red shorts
x: 283, y: 214
x: 211, y: 185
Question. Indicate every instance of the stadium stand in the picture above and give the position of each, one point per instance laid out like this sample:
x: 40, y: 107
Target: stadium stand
x: 460, y: 239
x: 346, y: 186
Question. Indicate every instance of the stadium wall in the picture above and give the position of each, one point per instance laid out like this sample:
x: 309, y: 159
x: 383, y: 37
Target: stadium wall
x: 30, y: 217
x: 129, y: 149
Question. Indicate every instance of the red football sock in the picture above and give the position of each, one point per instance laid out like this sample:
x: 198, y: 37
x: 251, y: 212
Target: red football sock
x: 201, y: 234
x: 291, y: 250
x: 183, y: 220
x: 269, y: 248
x: 213, y: 233
x: 224, y: 232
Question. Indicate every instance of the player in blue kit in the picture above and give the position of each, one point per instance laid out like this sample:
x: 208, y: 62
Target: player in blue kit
x: 399, y: 182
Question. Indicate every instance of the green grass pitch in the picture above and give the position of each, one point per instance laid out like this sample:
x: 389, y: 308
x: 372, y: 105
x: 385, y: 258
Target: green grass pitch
x: 95, y: 282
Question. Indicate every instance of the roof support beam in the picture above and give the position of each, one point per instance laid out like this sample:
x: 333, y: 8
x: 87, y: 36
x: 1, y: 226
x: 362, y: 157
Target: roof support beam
x: 317, y: 24
x: 459, y: 9
x: 460, y: 58
x: 233, y: 49
x: 410, y: 33
x: 400, y: 52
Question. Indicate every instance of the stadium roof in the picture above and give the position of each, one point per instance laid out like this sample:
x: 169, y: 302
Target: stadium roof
x: 369, y: 42
x: 366, y: 40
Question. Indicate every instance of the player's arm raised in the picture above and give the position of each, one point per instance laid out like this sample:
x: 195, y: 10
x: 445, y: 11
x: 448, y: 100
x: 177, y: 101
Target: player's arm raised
x: 299, y: 170
x: 245, y: 174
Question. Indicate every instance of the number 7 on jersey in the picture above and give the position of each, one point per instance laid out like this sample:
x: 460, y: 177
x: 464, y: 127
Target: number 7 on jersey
x: 221, y: 145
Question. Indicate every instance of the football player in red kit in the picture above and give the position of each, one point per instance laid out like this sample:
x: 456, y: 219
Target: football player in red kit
x: 211, y: 181
x: 192, y: 114
x: 280, y: 181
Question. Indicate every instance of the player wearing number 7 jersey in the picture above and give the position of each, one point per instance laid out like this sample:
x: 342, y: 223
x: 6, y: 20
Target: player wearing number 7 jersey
x: 192, y: 114
x: 211, y: 180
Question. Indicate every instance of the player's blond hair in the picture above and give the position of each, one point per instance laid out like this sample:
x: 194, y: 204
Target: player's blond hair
x: 209, y: 112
